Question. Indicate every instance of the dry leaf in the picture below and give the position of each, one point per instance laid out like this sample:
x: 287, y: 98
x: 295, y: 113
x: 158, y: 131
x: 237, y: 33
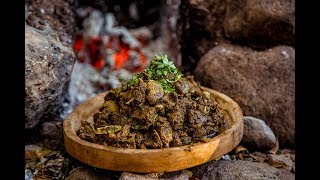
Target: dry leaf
x: 275, y: 148
x: 239, y: 149
x: 279, y: 161
x: 189, y: 173
x: 41, y: 152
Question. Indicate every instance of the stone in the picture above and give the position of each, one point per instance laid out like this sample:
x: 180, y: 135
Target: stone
x: 135, y: 176
x: 52, y: 130
x: 259, y: 156
x: 58, y: 15
x: 204, y: 24
x: 177, y: 175
x: 28, y: 175
x: 280, y: 161
x: 48, y: 66
x: 241, y: 170
x: 170, y: 29
x: 51, y: 134
x: 86, y: 173
x: 257, y: 135
x: 261, y: 82
x: 260, y: 24
x: 199, y: 28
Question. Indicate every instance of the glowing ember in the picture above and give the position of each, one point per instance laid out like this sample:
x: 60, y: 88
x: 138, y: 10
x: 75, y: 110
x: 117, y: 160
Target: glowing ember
x: 98, y: 45
x: 121, y: 57
x: 78, y: 43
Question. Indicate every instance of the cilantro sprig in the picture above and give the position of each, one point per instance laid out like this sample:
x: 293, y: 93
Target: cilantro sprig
x: 161, y: 70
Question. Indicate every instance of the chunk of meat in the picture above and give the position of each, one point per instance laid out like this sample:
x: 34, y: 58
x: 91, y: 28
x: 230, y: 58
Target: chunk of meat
x: 176, y: 119
x: 196, y: 118
x: 100, y: 119
x: 113, y: 95
x: 143, y: 119
x: 195, y: 89
x: 185, y: 138
x: 182, y: 86
x: 176, y: 140
x: 169, y: 101
x: 198, y: 132
x: 111, y: 106
x: 164, y: 130
x: 135, y: 95
x: 187, y: 86
x: 139, y: 93
x: 86, y: 132
x: 154, y: 92
x: 140, y: 140
x: 156, y: 140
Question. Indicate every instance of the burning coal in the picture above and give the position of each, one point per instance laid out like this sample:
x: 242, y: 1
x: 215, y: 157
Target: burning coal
x: 104, y: 44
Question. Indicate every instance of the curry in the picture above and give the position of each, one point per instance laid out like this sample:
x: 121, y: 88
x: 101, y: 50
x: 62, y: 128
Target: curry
x: 157, y: 108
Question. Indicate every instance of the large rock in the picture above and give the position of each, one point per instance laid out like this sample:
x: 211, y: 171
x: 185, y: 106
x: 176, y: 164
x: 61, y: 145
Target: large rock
x: 88, y: 173
x: 240, y: 170
x: 257, y: 135
x: 199, y: 29
x: 261, y: 24
x: 204, y: 24
x: 48, y: 66
x: 262, y: 83
x: 57, y: 15
x: 169, y: 29
x: 52, y: 130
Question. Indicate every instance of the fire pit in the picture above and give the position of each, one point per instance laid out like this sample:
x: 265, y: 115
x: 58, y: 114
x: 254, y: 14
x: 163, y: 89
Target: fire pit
x: 102, y: 43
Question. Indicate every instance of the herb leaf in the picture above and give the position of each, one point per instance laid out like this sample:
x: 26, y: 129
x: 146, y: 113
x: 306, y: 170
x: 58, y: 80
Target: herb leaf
x: 162, y: 71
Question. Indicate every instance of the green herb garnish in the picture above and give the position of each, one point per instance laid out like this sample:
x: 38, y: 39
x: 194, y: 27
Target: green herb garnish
x: 162, y: 71
x: 134, y: 80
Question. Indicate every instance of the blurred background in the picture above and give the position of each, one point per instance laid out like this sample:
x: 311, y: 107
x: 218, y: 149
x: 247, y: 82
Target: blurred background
x: 75, y: 49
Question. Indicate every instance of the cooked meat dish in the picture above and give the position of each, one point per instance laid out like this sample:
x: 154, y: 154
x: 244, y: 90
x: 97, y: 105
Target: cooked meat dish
x: 157, y: 108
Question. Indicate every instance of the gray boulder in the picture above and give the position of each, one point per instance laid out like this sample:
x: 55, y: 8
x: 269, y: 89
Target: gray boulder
x: 48, y: 66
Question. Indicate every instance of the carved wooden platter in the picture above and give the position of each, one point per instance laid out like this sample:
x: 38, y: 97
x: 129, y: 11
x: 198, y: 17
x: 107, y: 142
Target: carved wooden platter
x: 151, y: 160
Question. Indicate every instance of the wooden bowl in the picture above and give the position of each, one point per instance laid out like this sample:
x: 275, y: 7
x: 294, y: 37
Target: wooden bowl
x: 151, y: 160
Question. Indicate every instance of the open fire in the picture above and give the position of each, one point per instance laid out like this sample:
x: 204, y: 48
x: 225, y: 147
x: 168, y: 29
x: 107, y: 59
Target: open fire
x: 103, y: 44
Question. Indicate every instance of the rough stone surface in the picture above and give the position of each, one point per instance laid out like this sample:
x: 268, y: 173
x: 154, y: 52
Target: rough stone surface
x: 52, y: 130
x: 86, y: 173
x: 170, y: 29
x: 28, y: 175
x: 48, y: 66
x: 46, y: 15
x: 201, y: 29
x: 241, y: 170
x: 204, y: 24
x: 134, y: 176
x: 257, y: 135
x: 281, y: 161
x: 261, y: 24
x: 178, y: 175
x: 262, y: 83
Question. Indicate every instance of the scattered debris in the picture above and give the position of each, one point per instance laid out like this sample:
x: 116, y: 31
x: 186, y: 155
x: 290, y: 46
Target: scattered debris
x: 280, y: 161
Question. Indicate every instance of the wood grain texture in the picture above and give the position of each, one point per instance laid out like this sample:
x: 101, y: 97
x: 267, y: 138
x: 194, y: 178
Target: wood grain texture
x: 151, y: 160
